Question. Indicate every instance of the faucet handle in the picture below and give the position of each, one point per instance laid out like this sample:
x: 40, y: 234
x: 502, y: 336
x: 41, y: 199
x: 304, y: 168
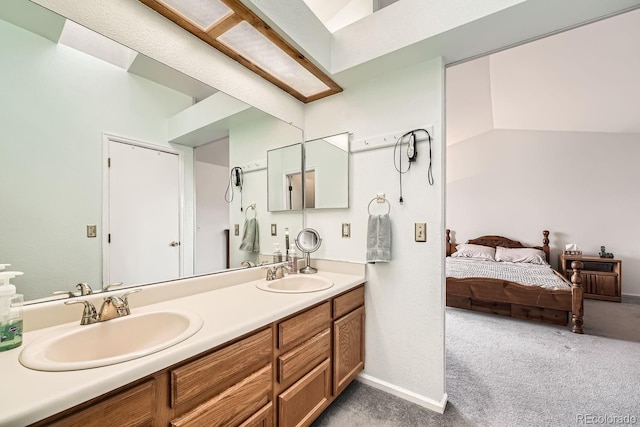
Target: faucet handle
x: 271, y: 273
x: 69, y: 294
x: 281, y: 271
x: 89, y: 314
x: 84, y: 289
x: 112, y: 285
x: 125, y: 297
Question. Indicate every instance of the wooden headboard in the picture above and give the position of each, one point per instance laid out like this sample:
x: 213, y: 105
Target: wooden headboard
x: 494, y: 241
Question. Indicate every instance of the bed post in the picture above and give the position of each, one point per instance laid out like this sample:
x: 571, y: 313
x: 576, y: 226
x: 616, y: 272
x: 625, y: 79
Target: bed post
x: 576, y: 297
x: 448, y: 246
x: 545, y: 244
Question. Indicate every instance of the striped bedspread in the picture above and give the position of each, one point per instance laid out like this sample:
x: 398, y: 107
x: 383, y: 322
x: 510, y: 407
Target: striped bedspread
x: 523, y: 273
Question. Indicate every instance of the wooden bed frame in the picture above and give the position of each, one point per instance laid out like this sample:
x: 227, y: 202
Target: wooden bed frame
x: 513, y: 299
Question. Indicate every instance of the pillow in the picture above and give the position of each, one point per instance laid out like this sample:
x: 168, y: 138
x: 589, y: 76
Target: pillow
x: 467, y: 250
x: 529, y: 255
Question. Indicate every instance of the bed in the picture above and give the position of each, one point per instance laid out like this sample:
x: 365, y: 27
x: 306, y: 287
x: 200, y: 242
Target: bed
x: 525, y: 290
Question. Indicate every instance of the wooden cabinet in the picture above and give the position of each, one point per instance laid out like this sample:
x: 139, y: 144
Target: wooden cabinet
x: 234, y: 405
x: 129, y: 408
x: 283, y: 374
x: 304, y: 366
x: 601, y: 277
x: 348, y: 338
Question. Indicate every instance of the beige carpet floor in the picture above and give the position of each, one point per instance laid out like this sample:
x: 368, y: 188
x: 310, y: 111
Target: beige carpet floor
x: 507, y: 372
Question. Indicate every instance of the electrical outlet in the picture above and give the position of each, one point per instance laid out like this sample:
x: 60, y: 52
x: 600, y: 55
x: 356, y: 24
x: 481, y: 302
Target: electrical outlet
x: 92, y: 230
x: 274, y: 229
x: 236, y: 229
x: 346, y: 229
x: 421, y: 232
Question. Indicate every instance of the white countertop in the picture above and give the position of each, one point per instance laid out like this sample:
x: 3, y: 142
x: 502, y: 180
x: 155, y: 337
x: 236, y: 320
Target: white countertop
x: 29, y: 396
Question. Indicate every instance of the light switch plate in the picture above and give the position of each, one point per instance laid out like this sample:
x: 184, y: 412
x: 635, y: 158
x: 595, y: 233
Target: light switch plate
x: 92, y: 230
x: 274, y: 229
x: 421, y: 232
x: 236, y: 229
x: 346, y: 229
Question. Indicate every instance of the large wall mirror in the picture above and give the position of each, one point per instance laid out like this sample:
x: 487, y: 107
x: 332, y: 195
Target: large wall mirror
x: 66, y: 109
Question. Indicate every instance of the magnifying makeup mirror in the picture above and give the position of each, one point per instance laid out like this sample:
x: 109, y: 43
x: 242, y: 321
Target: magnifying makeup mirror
x: 308, y: 241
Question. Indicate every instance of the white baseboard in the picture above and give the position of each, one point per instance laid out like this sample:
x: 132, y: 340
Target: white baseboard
x: 404, y: 394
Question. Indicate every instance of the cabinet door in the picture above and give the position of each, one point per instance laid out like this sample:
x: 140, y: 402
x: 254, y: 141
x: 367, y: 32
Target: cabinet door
x: 301, y: 403
x: 348, y: 349
x: 604, y: 285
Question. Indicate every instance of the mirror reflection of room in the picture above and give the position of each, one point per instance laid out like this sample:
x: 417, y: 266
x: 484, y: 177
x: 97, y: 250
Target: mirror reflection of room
x: 61, y: 226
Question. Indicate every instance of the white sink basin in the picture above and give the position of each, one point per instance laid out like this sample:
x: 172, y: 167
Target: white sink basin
x: 125, y: 338
x: 296, y: 284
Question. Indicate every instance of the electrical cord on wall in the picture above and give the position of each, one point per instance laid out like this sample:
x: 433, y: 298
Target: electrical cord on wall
x: 412, y: 155
x: 236, y: 179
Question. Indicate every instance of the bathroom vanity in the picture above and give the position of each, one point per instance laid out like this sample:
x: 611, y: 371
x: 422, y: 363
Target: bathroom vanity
x: 261, y: 359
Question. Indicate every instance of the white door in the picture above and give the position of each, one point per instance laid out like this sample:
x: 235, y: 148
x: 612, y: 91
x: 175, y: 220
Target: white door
x: 144, y: 214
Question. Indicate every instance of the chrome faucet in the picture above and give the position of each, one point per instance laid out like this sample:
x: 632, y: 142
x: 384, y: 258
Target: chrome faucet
x: 112, y: 307
x: 281, y: 271
x: 276, y: 272
x: 84, y: 289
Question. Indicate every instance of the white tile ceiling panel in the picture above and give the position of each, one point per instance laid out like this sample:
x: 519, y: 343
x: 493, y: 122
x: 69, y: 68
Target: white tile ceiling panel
x: 250, y: 43
x: 203, y: 13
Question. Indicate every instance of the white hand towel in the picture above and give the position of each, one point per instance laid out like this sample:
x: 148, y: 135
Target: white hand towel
x: 379, y: 238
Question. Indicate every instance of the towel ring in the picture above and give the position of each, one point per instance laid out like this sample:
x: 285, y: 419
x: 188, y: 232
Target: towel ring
x: 379, y: 200
x: 253, y: 206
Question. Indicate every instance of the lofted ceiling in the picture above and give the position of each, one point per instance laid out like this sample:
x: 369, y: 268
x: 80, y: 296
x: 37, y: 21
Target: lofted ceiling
x: 403, y: 33
x: 582, y: 80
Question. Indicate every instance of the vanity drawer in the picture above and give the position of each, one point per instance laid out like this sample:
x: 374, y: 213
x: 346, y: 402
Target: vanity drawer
x: 303, y: 326
x: 211, y: 374
x: 130, y: 408
x: 233, y: 406
x: 348, y: 302
x: 297, y: 362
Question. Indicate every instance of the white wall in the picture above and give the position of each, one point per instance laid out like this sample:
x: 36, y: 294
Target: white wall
x: 581, y: 186
x: 250, y: 143
x: 562, y: 155
x: 405, y: 304
x: 56, y: 102
x: 212, y: 217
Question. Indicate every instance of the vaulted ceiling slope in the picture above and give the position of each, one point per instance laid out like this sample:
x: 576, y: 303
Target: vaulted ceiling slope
x: 399, y: 35
x: 583, y: 80
x: 411, y: 31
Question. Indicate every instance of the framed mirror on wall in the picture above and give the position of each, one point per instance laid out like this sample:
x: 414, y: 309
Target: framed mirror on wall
x: 60, y: 99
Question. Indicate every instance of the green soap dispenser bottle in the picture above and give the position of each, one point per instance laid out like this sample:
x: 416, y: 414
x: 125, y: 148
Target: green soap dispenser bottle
x: 10, y: 312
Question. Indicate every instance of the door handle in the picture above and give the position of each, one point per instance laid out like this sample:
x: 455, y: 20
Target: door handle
x: 174, y: 244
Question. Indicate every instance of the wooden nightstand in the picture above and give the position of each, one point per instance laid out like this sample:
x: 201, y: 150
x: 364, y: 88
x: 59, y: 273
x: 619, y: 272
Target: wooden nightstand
x: 601, y: 277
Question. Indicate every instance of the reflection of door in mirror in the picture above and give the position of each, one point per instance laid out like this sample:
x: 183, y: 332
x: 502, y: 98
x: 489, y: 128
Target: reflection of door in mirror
x: 144, y: 211
x: 293, y: 190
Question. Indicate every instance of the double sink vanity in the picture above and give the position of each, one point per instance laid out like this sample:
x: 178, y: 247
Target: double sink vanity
x: 229, y: 349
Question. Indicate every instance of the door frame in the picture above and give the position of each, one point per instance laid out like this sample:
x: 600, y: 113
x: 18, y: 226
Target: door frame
x: 106, y: 139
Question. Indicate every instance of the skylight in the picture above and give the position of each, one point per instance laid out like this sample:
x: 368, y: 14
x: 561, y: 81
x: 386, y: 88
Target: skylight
x: 236, y: 31
x: 90, y: 42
